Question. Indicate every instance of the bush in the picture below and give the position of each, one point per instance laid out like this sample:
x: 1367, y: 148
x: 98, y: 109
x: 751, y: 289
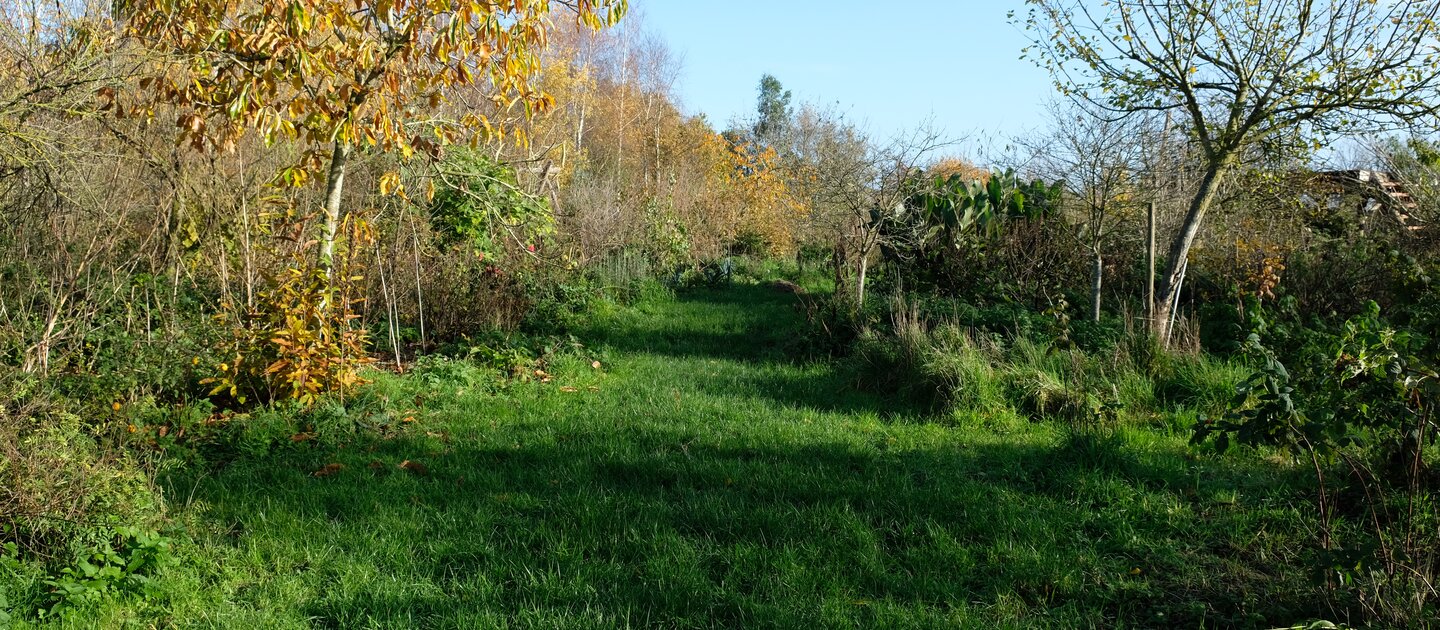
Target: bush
x: 298, y: 341
x: 61, y: 493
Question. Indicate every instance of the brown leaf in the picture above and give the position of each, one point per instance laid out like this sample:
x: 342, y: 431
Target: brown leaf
x: 568, y: 389
x: 302, y: 437
x: 329, y: 470
x: 416, y: 468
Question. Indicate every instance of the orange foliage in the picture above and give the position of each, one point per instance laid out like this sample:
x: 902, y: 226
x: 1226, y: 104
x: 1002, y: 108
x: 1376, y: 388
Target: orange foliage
x: 360, y: 72
x: 962, y: 167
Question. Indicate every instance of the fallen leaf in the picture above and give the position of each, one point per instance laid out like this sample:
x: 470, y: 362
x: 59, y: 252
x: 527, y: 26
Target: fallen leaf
x: 376, y: 465
x: 595, y: 364
x: 593, y: 388
x: 408, y: 419
x: 302, y: 437
x: 329, y: 470
x: 416, y: 468
x: 568, y: 389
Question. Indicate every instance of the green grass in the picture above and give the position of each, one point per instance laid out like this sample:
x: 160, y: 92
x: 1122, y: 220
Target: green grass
x: 708, y: 480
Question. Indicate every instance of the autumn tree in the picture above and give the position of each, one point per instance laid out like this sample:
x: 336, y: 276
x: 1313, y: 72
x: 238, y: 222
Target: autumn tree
x: 342, y: 75
x: 1243, y: 76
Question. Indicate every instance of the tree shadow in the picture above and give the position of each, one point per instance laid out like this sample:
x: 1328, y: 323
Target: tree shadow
x: 758, y: 327
x: 744, y: 323
x: 664, y: 529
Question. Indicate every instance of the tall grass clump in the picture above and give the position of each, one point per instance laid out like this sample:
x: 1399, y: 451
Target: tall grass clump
x: 964, y: 371
x: 623, y: 276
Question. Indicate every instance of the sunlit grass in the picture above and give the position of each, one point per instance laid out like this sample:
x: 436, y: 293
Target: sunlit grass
x: 702, y: 478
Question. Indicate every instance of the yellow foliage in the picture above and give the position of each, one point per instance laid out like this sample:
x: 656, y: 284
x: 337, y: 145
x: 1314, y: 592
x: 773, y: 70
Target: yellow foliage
x: 750, y: 192
x: 299, y: 340
x: 357, y: 72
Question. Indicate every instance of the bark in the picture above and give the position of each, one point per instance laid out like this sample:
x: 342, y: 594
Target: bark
x: 1166, y: 300
x: 334, y: 187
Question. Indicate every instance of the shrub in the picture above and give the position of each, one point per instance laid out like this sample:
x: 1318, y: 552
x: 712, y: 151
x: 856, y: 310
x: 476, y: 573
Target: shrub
x: 60, y: 492
x: 298, y: 341
x: 1365, y: 400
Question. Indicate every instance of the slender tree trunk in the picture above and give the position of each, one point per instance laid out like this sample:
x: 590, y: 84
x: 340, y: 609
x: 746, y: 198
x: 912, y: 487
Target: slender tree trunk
x: 1167, y: 300
x: 334, y: 187
x: 1097, y: 280
x: 860, y: 284
x: 419, y: 291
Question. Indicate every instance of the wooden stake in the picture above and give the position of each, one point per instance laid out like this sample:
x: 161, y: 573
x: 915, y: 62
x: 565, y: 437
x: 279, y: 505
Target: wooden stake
x: 1150, y: 262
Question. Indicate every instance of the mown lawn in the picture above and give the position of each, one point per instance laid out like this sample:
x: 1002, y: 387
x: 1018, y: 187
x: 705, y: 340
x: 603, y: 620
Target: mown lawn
x: 702, y: 478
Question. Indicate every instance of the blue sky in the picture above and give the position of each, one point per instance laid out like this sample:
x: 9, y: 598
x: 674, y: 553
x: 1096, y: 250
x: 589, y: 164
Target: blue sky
x: 887, y: 64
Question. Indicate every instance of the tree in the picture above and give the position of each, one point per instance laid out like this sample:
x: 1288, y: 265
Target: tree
x: 850, y: 183
x: 344, y: 74
x: 1243, y: 76
x: 1098, y: 160
x: 773, y: 108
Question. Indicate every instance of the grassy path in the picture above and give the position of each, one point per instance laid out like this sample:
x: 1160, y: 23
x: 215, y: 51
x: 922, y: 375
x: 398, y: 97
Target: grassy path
x: 701, y: 479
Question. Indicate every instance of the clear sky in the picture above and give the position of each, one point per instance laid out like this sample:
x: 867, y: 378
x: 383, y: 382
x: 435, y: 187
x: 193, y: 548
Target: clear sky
x: 888, y: 64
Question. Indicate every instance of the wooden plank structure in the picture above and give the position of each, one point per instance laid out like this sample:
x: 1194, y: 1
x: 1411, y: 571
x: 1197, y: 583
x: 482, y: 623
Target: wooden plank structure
x: 1373, y: 189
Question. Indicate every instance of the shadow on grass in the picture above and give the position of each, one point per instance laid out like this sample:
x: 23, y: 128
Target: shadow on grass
x: 656, y: 529
x: 752, y: 325
x: 738, y: 323
x: 649, y: 519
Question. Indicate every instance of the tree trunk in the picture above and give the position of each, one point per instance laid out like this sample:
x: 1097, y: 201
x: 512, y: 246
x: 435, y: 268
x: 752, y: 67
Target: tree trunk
x: 334, y: 186
x: 1166, y: 300
x: 1097, y: 280
x: 860, y: 284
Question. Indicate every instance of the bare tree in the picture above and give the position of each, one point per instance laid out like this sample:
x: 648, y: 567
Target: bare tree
x: 849, y: 180
x: 1098, y: 158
